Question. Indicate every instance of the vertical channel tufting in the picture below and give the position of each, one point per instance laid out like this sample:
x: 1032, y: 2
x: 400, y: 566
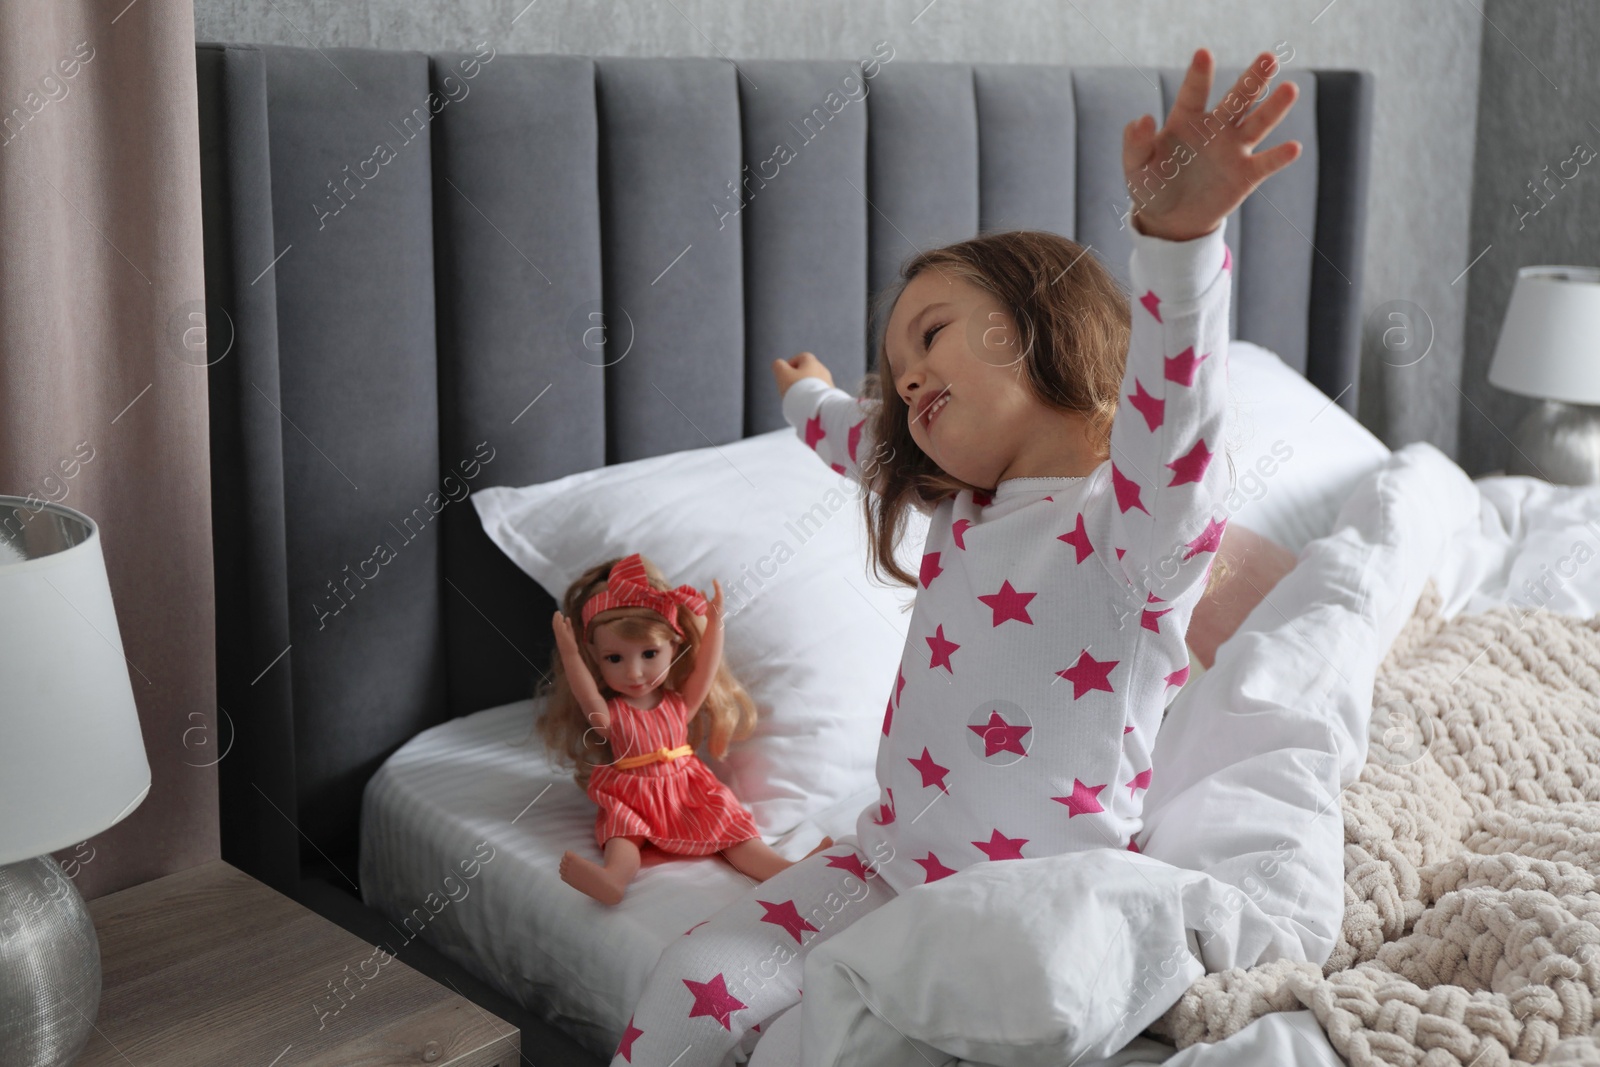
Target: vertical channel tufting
x: 1344, y: 147
x: 672, y: 255
x: 922, y: 158
x: 1107, y: 99
x: 337, y: 216
x: 521, y: 379
x: 1027, y: 148
x: 353, y: 221
x: 1280, y: 219
x: 805, y: 222
x: 247, y: 493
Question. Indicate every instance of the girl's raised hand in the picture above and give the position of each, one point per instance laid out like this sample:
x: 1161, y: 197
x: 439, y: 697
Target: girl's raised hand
x: 1188, y: 176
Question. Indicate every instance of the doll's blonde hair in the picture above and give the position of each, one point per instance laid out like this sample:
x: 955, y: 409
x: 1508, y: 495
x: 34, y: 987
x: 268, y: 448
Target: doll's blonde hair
x: 728, y: 714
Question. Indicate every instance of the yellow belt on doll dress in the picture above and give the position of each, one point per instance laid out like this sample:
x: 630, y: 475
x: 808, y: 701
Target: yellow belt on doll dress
x: 660, y: 755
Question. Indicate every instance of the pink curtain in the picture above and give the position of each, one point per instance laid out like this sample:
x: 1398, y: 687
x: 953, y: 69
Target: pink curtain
x: 102, y: 372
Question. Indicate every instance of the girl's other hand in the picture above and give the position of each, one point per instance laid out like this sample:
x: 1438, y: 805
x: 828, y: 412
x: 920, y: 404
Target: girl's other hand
x: 802, y: 365
x: 1183, y: 188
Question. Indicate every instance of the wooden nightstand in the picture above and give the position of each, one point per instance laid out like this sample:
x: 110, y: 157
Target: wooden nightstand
x: 209, y: 966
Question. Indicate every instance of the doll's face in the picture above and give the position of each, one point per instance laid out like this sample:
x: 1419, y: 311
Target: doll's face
x: 632, y: 668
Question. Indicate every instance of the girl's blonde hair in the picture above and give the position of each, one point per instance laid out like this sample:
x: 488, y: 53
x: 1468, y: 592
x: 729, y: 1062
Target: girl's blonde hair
x: 1073, y: 323
x: 728, y: 714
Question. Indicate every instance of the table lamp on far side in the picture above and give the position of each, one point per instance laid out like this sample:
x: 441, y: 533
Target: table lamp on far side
x: 72, y: 763
x: 1549, y: 349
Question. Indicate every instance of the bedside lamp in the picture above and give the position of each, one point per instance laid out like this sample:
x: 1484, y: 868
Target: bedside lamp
x: 1549, y: 348
x: 72, y: 763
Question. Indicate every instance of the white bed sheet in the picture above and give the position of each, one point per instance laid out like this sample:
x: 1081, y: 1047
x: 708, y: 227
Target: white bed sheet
x: 515, y: 924
x: 1538, y: 545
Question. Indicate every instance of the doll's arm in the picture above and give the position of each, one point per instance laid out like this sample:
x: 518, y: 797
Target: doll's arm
x: 579, y: 678
x: 699, y: 681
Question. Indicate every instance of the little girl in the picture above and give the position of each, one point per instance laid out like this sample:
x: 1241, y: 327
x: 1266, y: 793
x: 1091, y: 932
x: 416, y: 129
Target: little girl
x: 634, y: 750
x: 1062, y: 443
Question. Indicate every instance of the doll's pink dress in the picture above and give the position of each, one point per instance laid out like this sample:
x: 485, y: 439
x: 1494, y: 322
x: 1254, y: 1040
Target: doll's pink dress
x: 678, y: 805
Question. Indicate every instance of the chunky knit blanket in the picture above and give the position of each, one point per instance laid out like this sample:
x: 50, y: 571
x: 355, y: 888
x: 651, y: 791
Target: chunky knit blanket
x: 1471, y: 929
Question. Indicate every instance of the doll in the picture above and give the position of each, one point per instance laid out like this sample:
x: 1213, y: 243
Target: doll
x: 626, y: 707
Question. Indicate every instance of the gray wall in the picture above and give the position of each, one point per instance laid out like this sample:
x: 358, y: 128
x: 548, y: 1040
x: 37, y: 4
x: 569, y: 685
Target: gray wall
x: 1425, y: 58
x: 1545, y: 101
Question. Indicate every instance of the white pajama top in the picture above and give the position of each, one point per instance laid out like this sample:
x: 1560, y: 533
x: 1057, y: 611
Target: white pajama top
x: 1047, y: 635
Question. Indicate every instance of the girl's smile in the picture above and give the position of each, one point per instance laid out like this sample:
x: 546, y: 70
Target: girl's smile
x: 930, y: 410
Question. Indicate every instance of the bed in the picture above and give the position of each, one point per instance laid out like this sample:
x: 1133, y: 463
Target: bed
x: 1390, y: 526
x: 450, y: 785
x: 407, y: 259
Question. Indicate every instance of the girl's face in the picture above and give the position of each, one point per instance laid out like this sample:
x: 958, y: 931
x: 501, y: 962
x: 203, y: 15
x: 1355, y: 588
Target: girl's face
x: 632, y: 668
x: 953, y: 353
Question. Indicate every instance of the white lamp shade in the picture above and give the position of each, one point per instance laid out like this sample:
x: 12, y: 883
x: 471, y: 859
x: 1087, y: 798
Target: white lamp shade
x: 1549, y: 343
x: 72, y: 759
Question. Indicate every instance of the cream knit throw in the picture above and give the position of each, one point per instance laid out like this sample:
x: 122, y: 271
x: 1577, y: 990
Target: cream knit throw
x: 1472, y: 860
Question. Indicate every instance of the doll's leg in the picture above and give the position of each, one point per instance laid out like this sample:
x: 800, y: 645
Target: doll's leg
x: 606, y: 884
x: 740, y: 967
x: 757, y: 859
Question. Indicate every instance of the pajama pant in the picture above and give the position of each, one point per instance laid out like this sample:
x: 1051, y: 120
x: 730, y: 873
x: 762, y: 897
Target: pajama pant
x: 715, y: 986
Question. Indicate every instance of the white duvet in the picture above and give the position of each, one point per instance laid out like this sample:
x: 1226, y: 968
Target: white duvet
x: 1244, y: 853
x: 1243, y: 856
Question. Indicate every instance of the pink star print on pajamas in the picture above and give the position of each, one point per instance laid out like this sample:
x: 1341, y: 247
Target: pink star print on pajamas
x: 1078, y: 538
x: 1089, y: 674
x: 853, y: 864
x: 1001, y: 847
x: 1000, y: 736
x: 1009, y: 604
x: 712, y: 998
x: 787, y: 916
x: 1047, y: 633
x: 625, y: 1046
x: 1084, y: 799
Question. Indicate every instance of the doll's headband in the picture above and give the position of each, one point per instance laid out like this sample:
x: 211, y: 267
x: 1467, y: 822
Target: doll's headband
x: 628, y: 586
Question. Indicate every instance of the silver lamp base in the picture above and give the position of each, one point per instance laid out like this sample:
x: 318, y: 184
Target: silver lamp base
x: 49, y: 966
x: 1558, y: 442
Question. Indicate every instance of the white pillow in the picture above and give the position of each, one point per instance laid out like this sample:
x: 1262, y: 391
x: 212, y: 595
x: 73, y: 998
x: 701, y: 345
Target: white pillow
x: 814, y: 640
x: 1296, y: 455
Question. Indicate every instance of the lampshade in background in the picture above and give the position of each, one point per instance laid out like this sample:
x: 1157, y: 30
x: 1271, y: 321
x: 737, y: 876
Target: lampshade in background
x: 72, y: 760
x: 72, y: 763
x: 1550, y: 337
x: 1549, y: 348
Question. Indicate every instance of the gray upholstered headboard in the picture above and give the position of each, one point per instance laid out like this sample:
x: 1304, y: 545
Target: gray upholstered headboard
x: 405, y: 258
